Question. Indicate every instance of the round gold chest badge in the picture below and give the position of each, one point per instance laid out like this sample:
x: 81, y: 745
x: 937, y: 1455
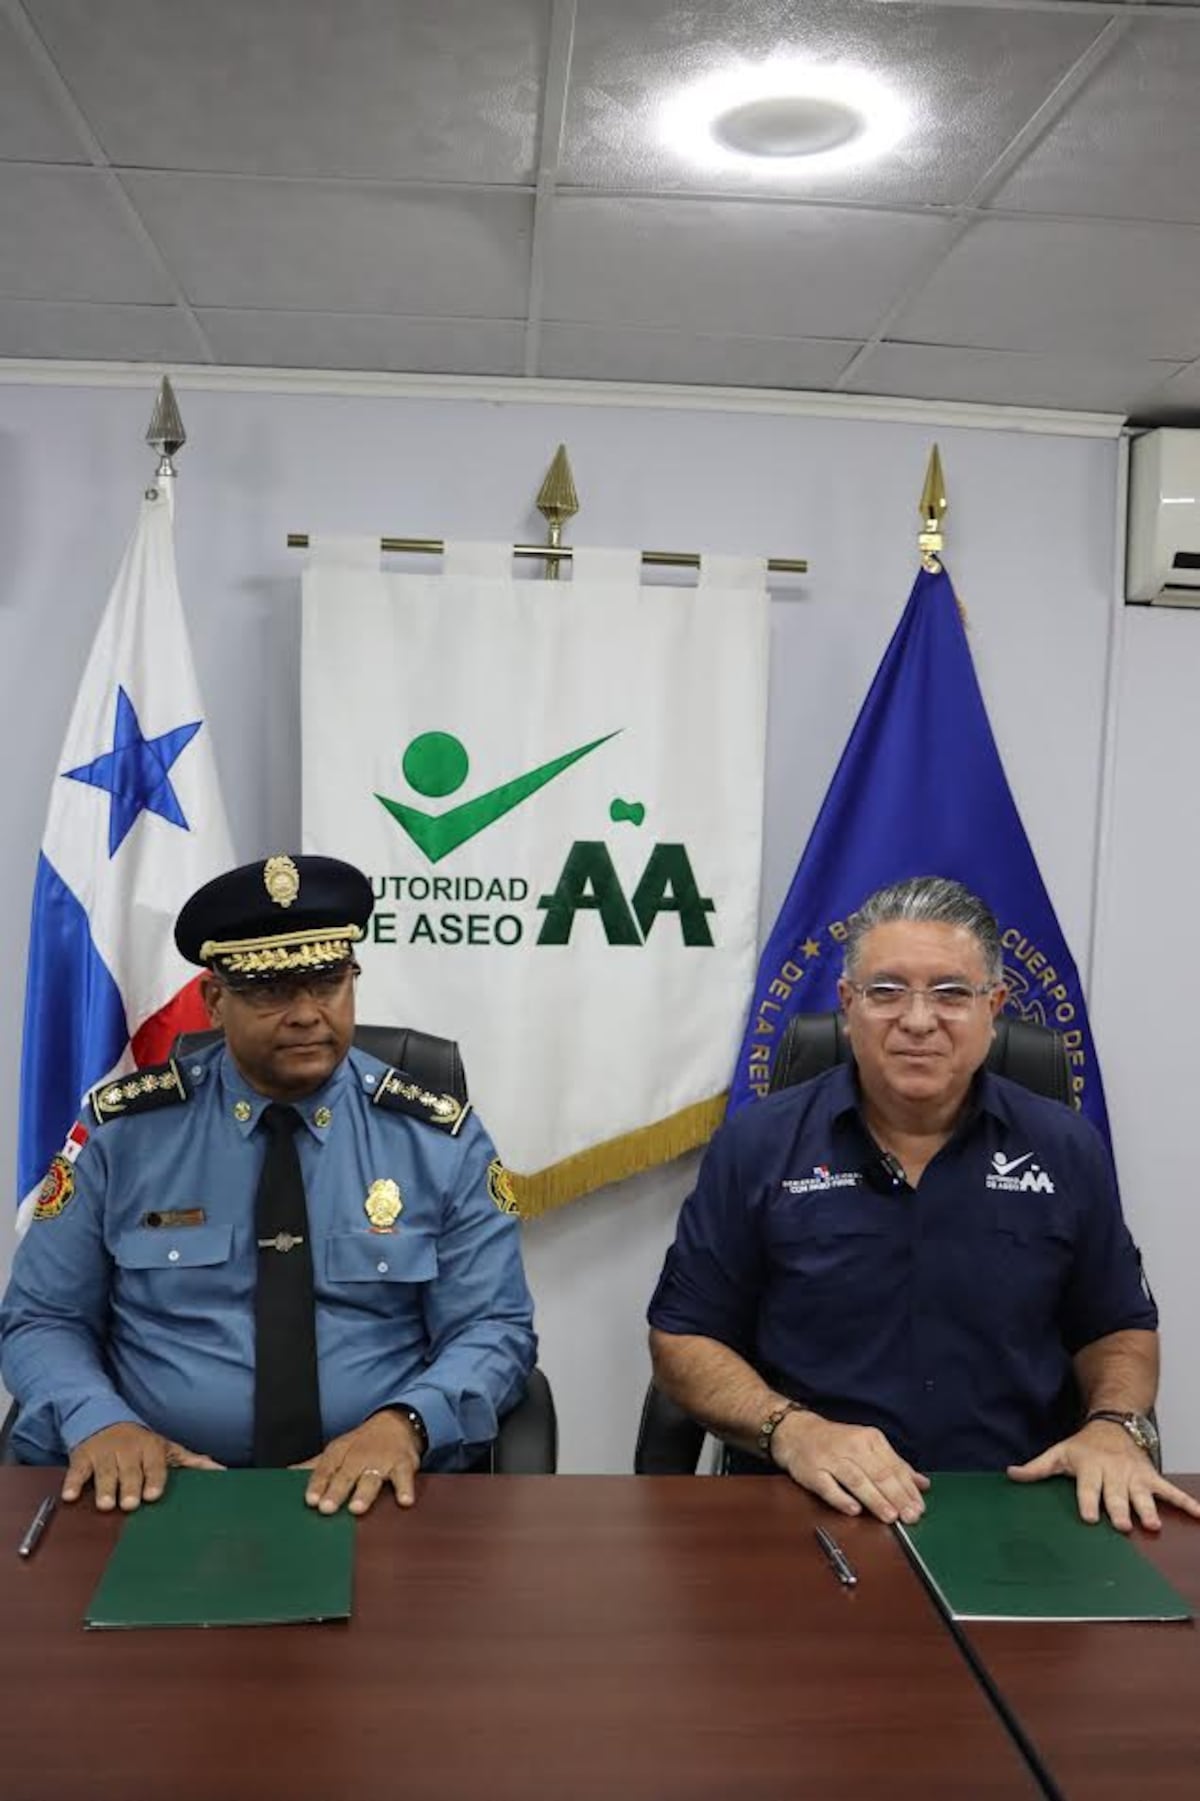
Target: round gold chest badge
x: 242, y: 1111
x: 383, y: 1205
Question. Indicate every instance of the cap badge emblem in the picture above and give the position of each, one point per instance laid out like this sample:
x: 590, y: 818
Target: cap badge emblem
x: 281, y: 879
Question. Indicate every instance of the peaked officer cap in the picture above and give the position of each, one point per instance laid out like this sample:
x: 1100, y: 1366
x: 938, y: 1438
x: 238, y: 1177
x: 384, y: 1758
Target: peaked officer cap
x: 284, y: 916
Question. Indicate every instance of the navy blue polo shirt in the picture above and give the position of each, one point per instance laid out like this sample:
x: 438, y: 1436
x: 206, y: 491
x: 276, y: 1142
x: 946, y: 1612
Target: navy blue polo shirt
x: 946, y: 1315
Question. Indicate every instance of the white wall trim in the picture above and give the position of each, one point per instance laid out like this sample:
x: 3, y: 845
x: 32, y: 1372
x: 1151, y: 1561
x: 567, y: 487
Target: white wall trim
x: 526, y: 391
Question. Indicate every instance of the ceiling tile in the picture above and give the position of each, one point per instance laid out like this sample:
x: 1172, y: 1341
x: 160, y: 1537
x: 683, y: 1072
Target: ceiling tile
x: 755, y: 269
x: 1008, y: 378
x: 597, y: 353
x: 1129, y: 146
x: 337, y: 248
x: 65, y: 237
x: 1177, y: 400
x: 441, y: 89
x: 32, y: 126
x: 1078, y: 287
x: 365, y: 341
x: 126, y: 334
x: 970, y: 76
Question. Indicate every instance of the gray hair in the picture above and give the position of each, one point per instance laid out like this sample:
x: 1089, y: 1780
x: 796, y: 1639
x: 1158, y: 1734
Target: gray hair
x: 934, y: 899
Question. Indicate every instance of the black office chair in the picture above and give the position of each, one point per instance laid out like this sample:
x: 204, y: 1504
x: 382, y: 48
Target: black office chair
x: 669, y: 1441
x: 527, y: 1441
x: 1032, y: 1055
x: 434, y: 1061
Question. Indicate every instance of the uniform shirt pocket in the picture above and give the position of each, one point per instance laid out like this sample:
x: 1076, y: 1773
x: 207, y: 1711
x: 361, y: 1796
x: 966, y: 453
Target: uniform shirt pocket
x: 1031, y: 1255
x: 828, y: 1244
x: 156, y: 1248
x: 381, y: 1257
x: 834, y: 1269
x: 185, y: 1274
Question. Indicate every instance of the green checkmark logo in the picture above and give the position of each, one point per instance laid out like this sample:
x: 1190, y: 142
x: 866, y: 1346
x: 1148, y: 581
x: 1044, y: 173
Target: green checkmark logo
x: 435, y: 764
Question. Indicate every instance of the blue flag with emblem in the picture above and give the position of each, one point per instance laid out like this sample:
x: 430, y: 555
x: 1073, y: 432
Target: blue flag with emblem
x: 920, y: 790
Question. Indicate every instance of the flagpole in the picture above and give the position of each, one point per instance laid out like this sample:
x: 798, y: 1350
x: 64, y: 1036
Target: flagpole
x: 165, y: 434
x: 932, y: 506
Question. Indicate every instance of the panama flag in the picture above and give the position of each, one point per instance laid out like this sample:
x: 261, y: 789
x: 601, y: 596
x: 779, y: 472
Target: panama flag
x: 135, y: 825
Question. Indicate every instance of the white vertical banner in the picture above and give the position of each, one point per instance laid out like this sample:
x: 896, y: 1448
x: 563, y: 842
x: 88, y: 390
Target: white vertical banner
x: 556, y: 789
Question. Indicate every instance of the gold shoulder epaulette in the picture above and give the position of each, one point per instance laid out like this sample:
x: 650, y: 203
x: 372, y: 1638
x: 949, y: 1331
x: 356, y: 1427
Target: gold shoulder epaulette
x: 400, y: 1094
x: 141, y: 1091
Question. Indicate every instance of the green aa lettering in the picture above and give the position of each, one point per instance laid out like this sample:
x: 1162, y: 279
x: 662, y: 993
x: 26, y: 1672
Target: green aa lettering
x: 669, y: 886
x: 588, y: 883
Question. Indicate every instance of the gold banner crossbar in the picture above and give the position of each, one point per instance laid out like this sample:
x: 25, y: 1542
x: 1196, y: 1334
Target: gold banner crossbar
x: 562, y: 553
x: 557, y: 502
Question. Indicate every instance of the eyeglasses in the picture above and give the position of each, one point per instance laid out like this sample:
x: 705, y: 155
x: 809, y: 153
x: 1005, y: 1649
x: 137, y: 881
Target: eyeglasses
x: 324, y: 986
x: 948, y: 1000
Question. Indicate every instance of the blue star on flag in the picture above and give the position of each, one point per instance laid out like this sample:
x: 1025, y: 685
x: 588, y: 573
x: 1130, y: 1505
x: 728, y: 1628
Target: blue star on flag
x: 136, y: 773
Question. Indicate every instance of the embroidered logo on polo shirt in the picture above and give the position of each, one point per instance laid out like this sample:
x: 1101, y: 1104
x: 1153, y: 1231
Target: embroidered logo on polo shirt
x: 823, y: 1177
x: 1033, y: 1179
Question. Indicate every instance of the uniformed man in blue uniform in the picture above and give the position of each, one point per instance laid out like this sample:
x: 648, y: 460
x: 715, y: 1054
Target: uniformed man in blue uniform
x: 276, y: 1250
x: 910, y: 1264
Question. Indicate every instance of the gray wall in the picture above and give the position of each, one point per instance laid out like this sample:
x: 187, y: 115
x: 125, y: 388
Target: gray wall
x: 1147, y: 989
x: 1031, y: 547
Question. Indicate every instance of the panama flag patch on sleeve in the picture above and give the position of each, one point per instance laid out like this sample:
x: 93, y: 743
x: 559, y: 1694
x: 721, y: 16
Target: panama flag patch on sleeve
x: 77, y: 1137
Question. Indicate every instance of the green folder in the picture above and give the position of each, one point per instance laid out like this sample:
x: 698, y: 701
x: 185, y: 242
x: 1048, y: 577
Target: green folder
x: 228, y: 1548
x: 992, y: 1549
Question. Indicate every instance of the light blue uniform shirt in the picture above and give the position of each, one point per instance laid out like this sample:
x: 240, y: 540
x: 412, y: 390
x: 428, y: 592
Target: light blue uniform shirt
x: 107, y: 1318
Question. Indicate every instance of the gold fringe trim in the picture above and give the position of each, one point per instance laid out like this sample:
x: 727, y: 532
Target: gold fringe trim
x: 546, y: 1189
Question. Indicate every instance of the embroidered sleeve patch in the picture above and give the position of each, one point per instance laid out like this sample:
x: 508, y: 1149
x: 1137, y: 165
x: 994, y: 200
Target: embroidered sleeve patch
x: 500, y: 1187
x: 58, y: 1185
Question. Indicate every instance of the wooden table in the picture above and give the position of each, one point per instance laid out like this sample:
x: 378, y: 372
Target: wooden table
x: 1113, y: 1711
x: 514, y: 1638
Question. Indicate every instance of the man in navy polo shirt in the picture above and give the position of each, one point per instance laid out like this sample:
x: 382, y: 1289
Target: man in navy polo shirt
x: 911, y: 1264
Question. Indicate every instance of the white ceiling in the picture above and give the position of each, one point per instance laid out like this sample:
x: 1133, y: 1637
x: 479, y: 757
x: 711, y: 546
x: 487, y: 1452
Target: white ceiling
x: 477, y: 187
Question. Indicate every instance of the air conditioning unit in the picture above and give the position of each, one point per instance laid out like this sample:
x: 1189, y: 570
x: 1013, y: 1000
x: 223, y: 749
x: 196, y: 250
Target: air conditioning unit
x: 1162, y: 557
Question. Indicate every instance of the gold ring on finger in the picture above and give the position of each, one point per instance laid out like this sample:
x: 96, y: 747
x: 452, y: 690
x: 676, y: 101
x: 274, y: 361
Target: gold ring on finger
x: 380, y: 1473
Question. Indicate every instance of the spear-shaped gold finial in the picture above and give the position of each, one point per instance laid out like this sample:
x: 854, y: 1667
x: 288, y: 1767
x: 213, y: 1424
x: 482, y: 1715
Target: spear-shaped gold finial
x: 557, y: 502
x: 933, y: 509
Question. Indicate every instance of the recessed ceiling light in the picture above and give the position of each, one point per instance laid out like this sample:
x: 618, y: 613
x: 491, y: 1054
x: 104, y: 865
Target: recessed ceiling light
x: 784, y: 117
x: 787, y: 125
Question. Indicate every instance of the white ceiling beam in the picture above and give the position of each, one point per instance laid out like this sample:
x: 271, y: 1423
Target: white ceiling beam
x: 1188, y: 10
x: 554, y: 114
x: 520, y: 391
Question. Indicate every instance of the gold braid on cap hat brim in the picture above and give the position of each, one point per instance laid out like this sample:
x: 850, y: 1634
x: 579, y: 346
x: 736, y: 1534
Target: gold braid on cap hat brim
x: 282, y: 952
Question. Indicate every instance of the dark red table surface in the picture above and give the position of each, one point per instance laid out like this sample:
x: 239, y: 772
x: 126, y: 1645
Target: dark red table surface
x: 586, y: 1638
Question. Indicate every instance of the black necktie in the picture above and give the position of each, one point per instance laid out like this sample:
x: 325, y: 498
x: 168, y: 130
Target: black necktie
x: 287, y: 1406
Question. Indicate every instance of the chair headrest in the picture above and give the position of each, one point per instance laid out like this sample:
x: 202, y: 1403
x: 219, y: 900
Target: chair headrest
x: 434, y: 1062
x: 1032, y: 1055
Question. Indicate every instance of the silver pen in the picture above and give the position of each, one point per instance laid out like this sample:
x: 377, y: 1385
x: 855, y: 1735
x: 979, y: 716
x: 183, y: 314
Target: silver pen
x: 36, y: 1527
x: 842, y: 1568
